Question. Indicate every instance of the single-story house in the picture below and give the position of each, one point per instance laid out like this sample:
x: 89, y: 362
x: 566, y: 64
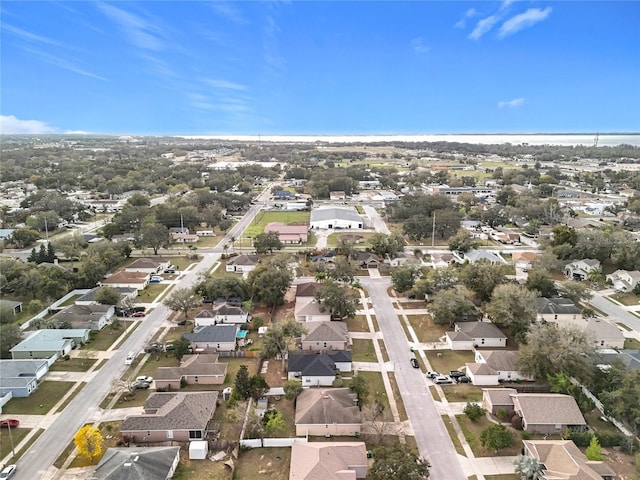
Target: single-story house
x: 199, y: 369
x: 310, y: 311
x: 16, y: 307
x: 306, y: 291
x: 492, y: 366
x: 137, y: 280
x: 548, y: 413
x: 559, y: 310
x: 312, y: 370
x: 179, y: 230
x: 524, y: 260
x: 327, y: 412
x: 368, y: 260
x: 441, y: 260
x: 184, y: 237
x: 335, y: 218
x: 580, y: 269
x: 179, y: 416
x: 473, y: 256
x: 630, y: 359
x: 93, y: 316
x: 469, y: 335
x: 137, y: 463
x: 562, y: 459
x: 624, y: 280
x: 213, y: 338
x: 50, y: 342
x: 603, y: 333
x: 242, y: 263
x: 205, y: 233
x: 222, y: 313
x: 494, y: 399
x: 328, y: 460
x: 20, y: 377
x: 148, y: 265
x: 325, y: 336
x: 288, y: 234
x: 89, y: 298
x: 337, y: 195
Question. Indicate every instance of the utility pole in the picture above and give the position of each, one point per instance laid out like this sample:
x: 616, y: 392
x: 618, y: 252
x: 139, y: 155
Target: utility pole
x: 13, y: 450
x: 433, y: 231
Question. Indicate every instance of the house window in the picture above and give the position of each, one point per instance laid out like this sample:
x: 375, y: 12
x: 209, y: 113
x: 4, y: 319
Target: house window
x: 195, y: 434
x: 169, y: 433
x: 555, y: 317
x: 558, y: 427
x: 325, y: 344
x: 195, y: 379
x: 483, y: 341
x: 307, y: 380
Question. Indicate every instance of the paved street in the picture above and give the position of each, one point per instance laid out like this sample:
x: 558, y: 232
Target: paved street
x: 617, y: 313
x: 430, y: 433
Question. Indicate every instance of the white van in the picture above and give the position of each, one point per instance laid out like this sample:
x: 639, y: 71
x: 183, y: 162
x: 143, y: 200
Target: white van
x: 129, y: 359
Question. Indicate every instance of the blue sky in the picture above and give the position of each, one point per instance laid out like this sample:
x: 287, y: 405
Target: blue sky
x: 330, y: 67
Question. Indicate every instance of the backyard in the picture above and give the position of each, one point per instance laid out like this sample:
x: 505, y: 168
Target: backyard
x: 268, y: 463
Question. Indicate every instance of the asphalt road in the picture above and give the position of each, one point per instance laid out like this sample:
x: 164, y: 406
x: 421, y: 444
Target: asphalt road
x: 430, y: 433
x: 616, y: 312
x: 46, y: 449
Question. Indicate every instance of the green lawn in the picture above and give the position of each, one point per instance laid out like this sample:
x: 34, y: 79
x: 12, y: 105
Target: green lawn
x: 631, y: 344
x: 103, y: 339
x: 425, y: 329
x: 182, y: 262
x: 377, y: 392
x: 151, y: 291
x: 72, y: 365
x: 472, y: 431
x: 363, y: 351
x: 70, y: 301
x: 233, y: 365
x: 5, y: 440
x: 39, y: 402
x: 462, y: 392
x: 398, y: 398
x: 358, y: 324
x: 288, y: 218
x: 627, y: 299
x: 156, y: 360
x: 445, y: 360
x: 452, y: 433
x: 363, y: 243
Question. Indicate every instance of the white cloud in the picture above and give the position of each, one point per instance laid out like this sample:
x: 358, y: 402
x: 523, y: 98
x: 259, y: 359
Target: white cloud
x: 419, y: 46
x: 483, y: 26
x: 523, y: 20
x: 141, y: 33
x: 516, y: 102
x: 9, y: 124
x: 28, y: 36
x: 471, y: 12
x: 62, y: 63
x: 506, y: 3
x: 228, y: 11
x: 225, y: 84
x: 462, y: 23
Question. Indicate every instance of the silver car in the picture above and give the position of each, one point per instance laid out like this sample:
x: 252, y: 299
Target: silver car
x: 8, y: 472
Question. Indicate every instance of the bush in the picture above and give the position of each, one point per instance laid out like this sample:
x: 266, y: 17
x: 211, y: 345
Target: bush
x: 183, y: 382
x: 525, y: 435
x: 516, y: 422
x: 501, y: 413
x: 473, y: 411
x: 583, y: 439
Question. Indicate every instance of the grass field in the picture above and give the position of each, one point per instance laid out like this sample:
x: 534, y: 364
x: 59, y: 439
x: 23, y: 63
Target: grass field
x: 627, y: 299
x: 332, y: 240
x: 363, y: 350
x: 17, y: 434
x: 462, y: 392
x: 631, y: 344
x: 103, y: 339
x: 425, y: 329
x: 377, y: 392
x: 268, y: 463
x: 445, y: 360
x: 39, y: 402
x: 72, y: 365
x: 452, y: 434
x: 358, y: 324
x: 288, y: 218
x: 472, y: 431
x: 151, y: 291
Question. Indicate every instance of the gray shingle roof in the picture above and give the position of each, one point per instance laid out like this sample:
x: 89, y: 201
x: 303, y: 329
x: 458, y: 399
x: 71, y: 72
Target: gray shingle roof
x: 480, y: 330
x: 326, y: 332
x: 175, y: 411
x: 324, y: 406
x: 136, y: 463
x: 214, y: 334
x: 556, y: 306
x: 548, y: 409
x: 311, y: 364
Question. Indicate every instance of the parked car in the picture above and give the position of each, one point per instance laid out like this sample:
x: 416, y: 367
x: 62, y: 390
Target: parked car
x: 8, y: 471
x: 169, y: 346
x: 414, y: 363
x: 153, y: 347
x: 139, y: 314
x: 432, y: 374
x: 144, y: 378
x: 463, y: 379
x: 182, y: 322
x: 170, y: 270
x: 456, y: 374
x: 9, y: 423
x: 442, y: 380
x: 140, y: 386
x: 155, y: 280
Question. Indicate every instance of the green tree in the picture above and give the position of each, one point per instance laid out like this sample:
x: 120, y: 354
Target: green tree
x: 7, y: 315
x: 496, y: 437
x: 386, y: 245
x: 24, y: 237
x: 563, y: 234
x: 594, y: 450
x: 528, y: 467
x: 107, y: 296
x: 154, y: 236
x: 182, y: 300
x: 275, y: 424
x: 360, y: 387
x: 450, y: 304
x: 539, y: 281
x: 512, y: 306
x: 404, y: 278
x: 343, y: 270
x: 622, y: 401
x: 269, y: 281
x: 267, y: 242
x: 396, y: 461
x: 461, y: 241
x: 259, y: 386
x: 181, y: 347
x: 552, y: 349
x: 278, y: 338
x: 10, y: 336
x: 576, y: 291
x: 473, y: 411
x: 341, y: 302
x: 292, y: 388
x: 242, y: 382
x: 481, y: 278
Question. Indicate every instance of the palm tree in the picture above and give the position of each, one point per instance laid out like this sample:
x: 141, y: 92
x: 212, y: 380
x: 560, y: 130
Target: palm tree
x: 528, y: 467
x: 595, y: 275
x: 233, y: 242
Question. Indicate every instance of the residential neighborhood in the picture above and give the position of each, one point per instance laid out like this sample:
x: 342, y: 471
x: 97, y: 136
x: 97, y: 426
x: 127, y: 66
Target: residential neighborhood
x: 292, y: 320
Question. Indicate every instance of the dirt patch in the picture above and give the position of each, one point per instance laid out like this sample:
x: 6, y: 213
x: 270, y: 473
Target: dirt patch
x: 620, y: 462
x: 274, y: 375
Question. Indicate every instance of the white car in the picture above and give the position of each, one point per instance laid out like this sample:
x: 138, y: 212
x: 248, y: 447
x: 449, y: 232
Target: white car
x: 8, y: 472
x: 144, y: 378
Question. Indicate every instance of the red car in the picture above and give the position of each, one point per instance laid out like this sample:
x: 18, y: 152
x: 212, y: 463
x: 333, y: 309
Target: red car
x: 9, y: 423
x: 139, y: 314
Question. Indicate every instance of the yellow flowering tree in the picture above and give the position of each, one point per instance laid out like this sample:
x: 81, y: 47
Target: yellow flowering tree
x: 89, y: 442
